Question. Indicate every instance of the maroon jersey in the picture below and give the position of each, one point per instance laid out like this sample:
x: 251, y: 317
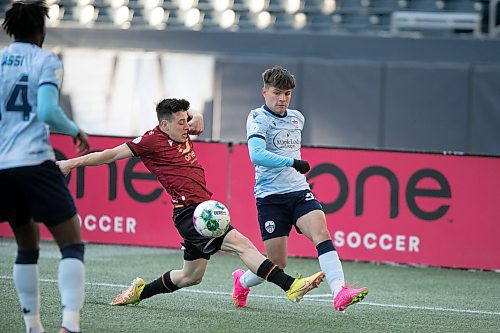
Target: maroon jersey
x: 174, y: 164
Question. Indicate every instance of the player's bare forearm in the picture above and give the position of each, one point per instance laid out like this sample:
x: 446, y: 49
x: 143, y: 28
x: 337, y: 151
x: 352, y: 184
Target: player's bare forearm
x: 96, y: 158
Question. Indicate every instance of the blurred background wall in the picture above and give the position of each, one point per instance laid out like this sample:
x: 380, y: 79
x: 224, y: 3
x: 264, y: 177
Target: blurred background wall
x: 366, y: 79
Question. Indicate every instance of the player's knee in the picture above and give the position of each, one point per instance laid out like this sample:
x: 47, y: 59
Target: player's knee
x: 75, y: 251
x: 27, y: 257
x: 321, y: 234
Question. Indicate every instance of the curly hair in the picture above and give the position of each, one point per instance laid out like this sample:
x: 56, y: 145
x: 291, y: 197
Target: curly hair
x: 167, y: 107
x: 24, y: 20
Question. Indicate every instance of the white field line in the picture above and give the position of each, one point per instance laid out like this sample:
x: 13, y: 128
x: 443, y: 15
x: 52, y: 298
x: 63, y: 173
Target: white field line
x: 311, y: 298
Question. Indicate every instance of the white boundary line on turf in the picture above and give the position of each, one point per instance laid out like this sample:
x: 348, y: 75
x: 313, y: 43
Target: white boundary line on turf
x: 312, y: 298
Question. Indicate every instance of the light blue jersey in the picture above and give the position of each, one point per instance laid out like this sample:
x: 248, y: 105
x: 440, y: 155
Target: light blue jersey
x: 283, y: 136
x: 24, y: 138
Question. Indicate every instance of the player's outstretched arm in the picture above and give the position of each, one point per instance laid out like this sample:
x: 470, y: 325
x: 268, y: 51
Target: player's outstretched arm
x: 97, y: 158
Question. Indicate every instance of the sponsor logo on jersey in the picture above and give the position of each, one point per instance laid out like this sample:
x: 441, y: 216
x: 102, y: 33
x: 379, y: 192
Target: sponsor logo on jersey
x: 287, y: 140
x: 137, y: 140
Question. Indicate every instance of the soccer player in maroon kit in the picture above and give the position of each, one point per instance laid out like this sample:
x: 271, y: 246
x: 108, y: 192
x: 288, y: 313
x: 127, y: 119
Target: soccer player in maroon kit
x: 168, y: 153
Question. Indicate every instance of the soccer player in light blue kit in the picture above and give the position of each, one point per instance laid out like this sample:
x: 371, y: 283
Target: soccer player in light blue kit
x: 32, y: 188
x: 283, y: 196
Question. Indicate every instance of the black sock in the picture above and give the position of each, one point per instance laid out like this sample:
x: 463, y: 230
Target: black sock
x: 272, y: 273
x: 162, y: 285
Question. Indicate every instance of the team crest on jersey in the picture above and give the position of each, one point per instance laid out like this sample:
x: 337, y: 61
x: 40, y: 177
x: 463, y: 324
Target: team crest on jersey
x: 294, y: 121
x: 270, y: 226
x: 184, y: 150
x: 170, y: 142
x: 137, y: 140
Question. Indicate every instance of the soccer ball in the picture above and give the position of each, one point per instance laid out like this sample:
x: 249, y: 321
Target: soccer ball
x: 211, y: 219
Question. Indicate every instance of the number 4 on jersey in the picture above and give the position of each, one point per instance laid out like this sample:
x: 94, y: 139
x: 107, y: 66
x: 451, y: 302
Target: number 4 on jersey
x: 17, y: 101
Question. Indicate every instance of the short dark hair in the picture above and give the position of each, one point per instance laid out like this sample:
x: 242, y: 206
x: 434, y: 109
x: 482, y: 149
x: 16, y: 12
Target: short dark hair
x: 24, y: 20
x: 167, y: 107
x: 278, y: 77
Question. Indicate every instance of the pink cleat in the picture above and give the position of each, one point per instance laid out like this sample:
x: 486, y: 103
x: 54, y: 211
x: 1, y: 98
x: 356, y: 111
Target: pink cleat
x: 348, y: 296
x: 240, y: 294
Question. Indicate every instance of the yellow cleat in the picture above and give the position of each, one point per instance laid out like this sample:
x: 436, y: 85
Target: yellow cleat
x: 302, y: 286
x: 132, y: 294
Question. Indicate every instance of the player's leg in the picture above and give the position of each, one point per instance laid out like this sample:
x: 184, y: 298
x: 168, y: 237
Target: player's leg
x: 275, y: 225
x: 25, y: 274
x: 71, y: 271
x: 235, y: 242
x: 191, y: 274
x: 313, y: 225
x: 14, y: 207
x: 276, y: 249
x: 52, y: 203
x: 195, y: 264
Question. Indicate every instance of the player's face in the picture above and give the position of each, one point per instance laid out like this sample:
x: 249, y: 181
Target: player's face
x: 277, y: 99
x: 178, y: 128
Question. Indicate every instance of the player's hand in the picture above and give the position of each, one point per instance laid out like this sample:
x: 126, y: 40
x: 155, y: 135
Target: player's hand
x: 64, y: 166
x: 301, y: 166
x: 82, y: 142
x: 196, y: 125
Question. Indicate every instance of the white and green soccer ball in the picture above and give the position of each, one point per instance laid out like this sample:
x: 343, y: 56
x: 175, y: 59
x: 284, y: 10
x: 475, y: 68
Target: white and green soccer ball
x: 211, y: 219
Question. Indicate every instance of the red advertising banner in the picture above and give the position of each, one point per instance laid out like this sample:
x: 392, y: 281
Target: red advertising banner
x: 412, y: 208
x: 122, y: 203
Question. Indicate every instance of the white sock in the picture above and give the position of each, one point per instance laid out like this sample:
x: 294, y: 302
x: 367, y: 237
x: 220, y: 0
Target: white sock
x: 250, y: 279
x: 33, y: 324
x: 71, y: 280
x: 26, y: 282
x: 71, y: 320
x: 332, y: 267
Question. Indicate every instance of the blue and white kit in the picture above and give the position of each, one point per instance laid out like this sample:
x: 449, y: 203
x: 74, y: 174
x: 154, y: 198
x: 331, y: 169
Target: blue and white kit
x: 275, y: 141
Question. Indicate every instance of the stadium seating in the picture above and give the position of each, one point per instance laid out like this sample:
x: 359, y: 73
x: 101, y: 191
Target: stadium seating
x: 354, y: 16
x: 435, y: 21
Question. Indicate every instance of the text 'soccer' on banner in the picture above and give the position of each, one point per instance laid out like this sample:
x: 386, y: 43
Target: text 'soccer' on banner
x: 412, y: 208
